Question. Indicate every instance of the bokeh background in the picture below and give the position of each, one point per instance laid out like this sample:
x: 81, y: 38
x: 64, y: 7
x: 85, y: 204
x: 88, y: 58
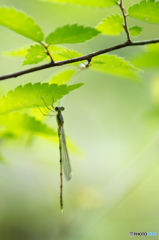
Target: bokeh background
x: 114, y: 189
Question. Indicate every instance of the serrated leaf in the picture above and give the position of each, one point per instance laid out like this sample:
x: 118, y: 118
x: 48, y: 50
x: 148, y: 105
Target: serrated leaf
x: 19, y: 22
x: 62, y: 77
x: 148, y: 57
x: 91, y: 3
x: 71, y: 34
x: 114, y: 65
x: 135, y: 31
x: 35, y: 54
x: 112, y: 25
x: 19, y: 52
x: 57, y: 52
x: 29, y: 96
x: 145, y: 10
x: 18, y: 122
x: 64, y: 52
x: 60, y: 53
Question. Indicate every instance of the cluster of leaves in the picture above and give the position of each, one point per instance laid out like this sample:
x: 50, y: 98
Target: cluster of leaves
x: 31, y: 96
x: 71, y: 34
x: 49, y: 48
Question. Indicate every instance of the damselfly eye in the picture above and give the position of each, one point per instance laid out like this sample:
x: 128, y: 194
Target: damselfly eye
x: 56, y: 109
x: 62, y: 108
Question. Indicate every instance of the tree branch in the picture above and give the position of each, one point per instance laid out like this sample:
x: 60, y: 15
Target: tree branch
x: 78, y: 59
x: 125, y: 21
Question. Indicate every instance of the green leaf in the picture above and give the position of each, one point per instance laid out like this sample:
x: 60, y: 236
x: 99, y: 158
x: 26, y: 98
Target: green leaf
x: 114, y: 65
x: 91, y: 3
x: 17, y: 124
x: 19, y: 52
x: 112, y: 25
x: 149, y: 57
x: 64, y: 52
x: 35, y: 54
x: 29, y: 96
x: 73, y: 86
x: 20, y: 123
x: 135, y: 31
x: 6, y: 135
x: 60, y: 53
x: 20, y: 23
x: 71, y: 34
x: 145, y: 10
x: 62, y: 77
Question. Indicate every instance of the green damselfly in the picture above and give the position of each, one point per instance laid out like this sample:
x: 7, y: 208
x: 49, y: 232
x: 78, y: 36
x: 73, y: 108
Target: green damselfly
x: 64, y: 156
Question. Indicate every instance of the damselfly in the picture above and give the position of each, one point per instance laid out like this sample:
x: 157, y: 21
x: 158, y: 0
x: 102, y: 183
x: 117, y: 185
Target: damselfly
x: 64, y: 156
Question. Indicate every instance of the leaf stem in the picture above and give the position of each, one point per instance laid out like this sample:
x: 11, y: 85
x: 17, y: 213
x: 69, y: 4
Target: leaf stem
x: 78, y: 59
x: 120, y: 4
x: 88, y: 62
x: 47, y: 51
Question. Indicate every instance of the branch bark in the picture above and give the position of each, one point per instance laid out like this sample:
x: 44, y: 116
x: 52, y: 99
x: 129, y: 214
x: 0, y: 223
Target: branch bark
x: 47, y: 52
x: 125, y: 21
x: 78, y: 59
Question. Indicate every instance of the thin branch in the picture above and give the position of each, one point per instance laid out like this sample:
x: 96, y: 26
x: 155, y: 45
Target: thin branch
x: 78, y: 59
x: 47, y: 52
x: 89, y: 62
x: 125, y: 21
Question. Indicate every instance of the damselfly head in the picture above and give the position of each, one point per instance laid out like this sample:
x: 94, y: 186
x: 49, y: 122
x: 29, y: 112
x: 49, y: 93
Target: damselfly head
x: 58, y: 109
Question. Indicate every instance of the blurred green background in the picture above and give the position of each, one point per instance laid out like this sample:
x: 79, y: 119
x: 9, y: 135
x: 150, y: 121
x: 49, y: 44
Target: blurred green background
x: 114, y: 189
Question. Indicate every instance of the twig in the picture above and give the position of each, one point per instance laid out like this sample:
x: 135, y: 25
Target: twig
x: 89, y: 62
x: 47, y: 52
x: 78, y: 59
x: 125, y: 21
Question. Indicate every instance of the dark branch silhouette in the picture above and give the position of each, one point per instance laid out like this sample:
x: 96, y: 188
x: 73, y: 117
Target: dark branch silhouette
x: 120, y: 4
x: 78, y: 59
